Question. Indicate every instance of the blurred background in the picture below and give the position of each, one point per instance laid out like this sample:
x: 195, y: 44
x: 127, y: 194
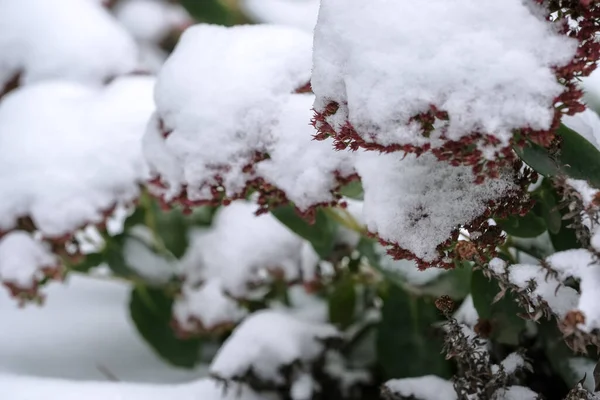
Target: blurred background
x: 83, y: 331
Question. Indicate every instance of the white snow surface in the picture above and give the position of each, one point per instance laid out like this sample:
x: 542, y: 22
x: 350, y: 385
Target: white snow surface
x: 297, y: 13
x: 587, y: 124
x: 417, y: 202
x: 300, y: 166
x: 206, y: 304
x: 22, y: 259
x: 580, y: 265
x: 515, y: 393
x: 467, y: 313
x: 28, y: 388
x: 547, y: 287
x: 429, y: 387
x: 82, y: 329
x: 232, y: 258
x: 487, y: 63
x: 268, y: 340
x: 62, y: 39
x: 240, y: 247
x: 219, y: 95
x: 69, y: 151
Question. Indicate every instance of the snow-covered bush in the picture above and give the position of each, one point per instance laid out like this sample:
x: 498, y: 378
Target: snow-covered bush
x: 404, y: 201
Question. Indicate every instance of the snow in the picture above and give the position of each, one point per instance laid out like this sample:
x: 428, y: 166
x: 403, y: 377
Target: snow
x: 417, y: 202
x: 153, y: 267
x: 218, y: 96
x: 587, y: 124
x: 82, y: 328
x: 27, y: 388
x: 466, y: 313
x: 300, y: 166
x: 510, y: 364
x: 297, y: 13
x: 71, y: 39
x: 580, y: 264
x: 429, y: 387
x: 515, y: 393
x: 268, y: 340
x: 488, y: 65
x: 561, y: 299
x: 239, y: 253
x: 239, y: 246
x: 591, y: 86
x: 549, y: 287
x: 24, y: 259
x: 206, y: 308
x: 409, y: 271
x: 151, y: 21
x: 70, y: 152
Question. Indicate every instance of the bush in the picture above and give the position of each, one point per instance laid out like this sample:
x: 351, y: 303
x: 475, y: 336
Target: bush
x: 405, y: 207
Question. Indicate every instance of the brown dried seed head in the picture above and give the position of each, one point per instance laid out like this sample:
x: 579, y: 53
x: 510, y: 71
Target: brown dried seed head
x: 445, y: 304
x: 466, y: 250
x: 574, y: 318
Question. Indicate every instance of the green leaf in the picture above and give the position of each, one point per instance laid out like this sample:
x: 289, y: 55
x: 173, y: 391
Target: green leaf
x: 342, y: 302
x: 455, y: 283
x: 503, y: 315
x: 565, y: 239
x: 90, y: 261
x: 549, y: 210
x: 113, y: 256
x: 353, y: 190
x: 210, y: 11
x: 150, y: 310
x: 321, y: 234
x: 528, y: 226
x: 578, y: 158
x: 366, y: 248
x: 407, y: 343
x: 172, y: 227
x: 137, y: 218
x: 559, y: 355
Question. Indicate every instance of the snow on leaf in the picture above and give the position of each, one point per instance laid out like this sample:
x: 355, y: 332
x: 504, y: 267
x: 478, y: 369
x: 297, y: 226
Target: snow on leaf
x: 418, y: 203
x: 218, y: 98
x: 239, y: 254
x: 267, y: 341
x: 581, y: 265
x: 62, y: 39
x: 308, y: 171
x: 456, y: 77
x: 205, y: 308
x: 69, y: 153
x: 24, y: 262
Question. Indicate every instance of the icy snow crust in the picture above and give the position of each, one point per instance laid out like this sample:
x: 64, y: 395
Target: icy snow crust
x: 70, y: 39
x: 219, y: 95
x: 417, y: 202
x: 68, y: 152
x: 488, y: 64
